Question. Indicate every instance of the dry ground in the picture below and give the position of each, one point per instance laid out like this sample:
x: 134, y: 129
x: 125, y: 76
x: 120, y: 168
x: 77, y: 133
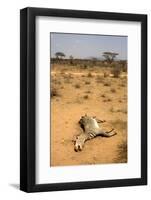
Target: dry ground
x: 75, y: 92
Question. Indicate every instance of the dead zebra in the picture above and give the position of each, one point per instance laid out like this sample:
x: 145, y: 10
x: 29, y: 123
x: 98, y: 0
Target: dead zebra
x: 91, y: 129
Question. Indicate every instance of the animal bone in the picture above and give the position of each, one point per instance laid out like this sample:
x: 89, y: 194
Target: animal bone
x: 91, y: 130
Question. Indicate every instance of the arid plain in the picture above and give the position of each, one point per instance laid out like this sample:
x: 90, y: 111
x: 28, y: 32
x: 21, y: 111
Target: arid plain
x: 96, y: 91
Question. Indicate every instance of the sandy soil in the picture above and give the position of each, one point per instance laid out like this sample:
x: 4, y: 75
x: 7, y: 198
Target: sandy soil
x: 75, y: 92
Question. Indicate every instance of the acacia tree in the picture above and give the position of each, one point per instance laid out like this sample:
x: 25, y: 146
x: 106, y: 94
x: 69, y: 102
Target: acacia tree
x: 59, y: 55
x: 71, y: 59
x: 109, y: 56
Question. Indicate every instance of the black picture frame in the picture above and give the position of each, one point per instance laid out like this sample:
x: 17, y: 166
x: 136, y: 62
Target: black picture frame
x: 28, y: 99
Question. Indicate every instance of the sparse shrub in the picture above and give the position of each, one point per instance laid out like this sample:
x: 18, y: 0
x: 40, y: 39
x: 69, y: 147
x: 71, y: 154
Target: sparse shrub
x: 122, y: 85
x: 124, y: 110
x: 87, y: 82
x: 113, y: 90
x: 55, y: 81
x: 88, y: 92
x: 116, y: 72
x: 112, y: 65
x: 85, y: 96
x: 122, y: 152
x: 103, y: 95
x: 77, y: 86
x: 85, y: 66
x: 123, y: 65
x: 118, y: 110
x: 124, y: 69
x: 107, y: 84
x: 107, y: 100
x: 100, y: 79
x: 106, y: 74
x: 90, y: 75
x: 54, y: 93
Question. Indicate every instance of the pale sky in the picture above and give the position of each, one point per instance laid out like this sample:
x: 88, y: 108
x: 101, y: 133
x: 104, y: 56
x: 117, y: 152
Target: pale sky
x: 86, y: 46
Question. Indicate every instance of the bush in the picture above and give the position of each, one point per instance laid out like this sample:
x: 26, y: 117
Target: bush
x: 113, y: 90
x: 54, y: 93
x: 106, y: 74
x: 85, y: 96
x: 90, y: 75
x: 122, y: 85
x: 107, y: 84
x: 100, y: 79
x: 87, y: 82
x: 85, y: 66
x: 88, y: 91
x: 103, y: 95
x: 107, y: 100
x: 77, y: 86
x: 122, y: 152
x: 125, y: 69
x: 116, y: 72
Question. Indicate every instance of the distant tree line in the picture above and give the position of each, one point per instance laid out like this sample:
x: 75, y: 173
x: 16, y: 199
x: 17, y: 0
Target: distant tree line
x: 109, y: 57
x: 108, y: 61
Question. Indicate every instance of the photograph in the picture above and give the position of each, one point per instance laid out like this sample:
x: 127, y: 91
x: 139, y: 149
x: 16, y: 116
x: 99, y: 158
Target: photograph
x: 88, y: 99
x: 83, y: 99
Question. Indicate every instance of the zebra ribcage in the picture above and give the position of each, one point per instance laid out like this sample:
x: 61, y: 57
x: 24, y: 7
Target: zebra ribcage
x: 92, y: 134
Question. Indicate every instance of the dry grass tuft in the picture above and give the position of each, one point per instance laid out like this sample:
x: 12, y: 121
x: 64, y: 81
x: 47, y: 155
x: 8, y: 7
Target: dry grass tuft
x: 122, y: 152
x: 116, y: 72
x: 103, y: 95
x: 122, y: 85
x: 113, y: 90
x: 107, y: 84
x: 88, y: 91
x: 54, y: 93
x: 77, y: 86
x: 100, y: 79
x: 105, y: 74
x: 87, y: 82
x: 90, y: 75
x: 107, y: 100
x: 122, y: 110
x: 86, y: 97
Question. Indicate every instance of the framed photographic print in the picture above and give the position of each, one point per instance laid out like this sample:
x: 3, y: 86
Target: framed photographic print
x: 83, y: 99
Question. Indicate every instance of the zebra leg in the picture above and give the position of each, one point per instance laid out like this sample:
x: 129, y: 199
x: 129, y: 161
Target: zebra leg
x: 106, y: 133
x: 98, y: 120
